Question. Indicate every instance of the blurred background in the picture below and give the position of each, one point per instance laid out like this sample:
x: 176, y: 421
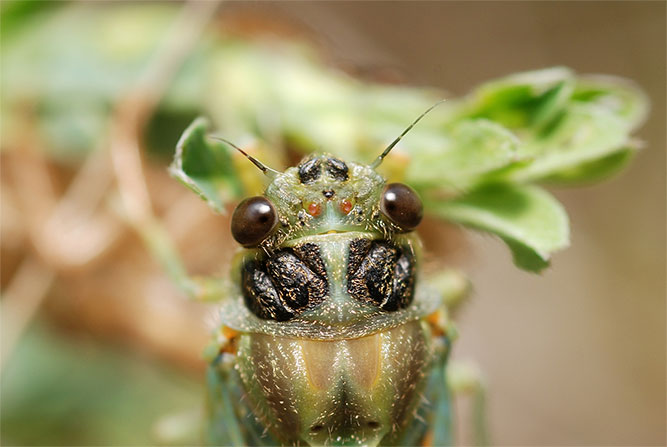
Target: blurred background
x: 98, y: 344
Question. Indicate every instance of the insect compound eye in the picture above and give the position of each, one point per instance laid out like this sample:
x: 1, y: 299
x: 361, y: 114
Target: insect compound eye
x: 253, y: 220
x: 401, y: 205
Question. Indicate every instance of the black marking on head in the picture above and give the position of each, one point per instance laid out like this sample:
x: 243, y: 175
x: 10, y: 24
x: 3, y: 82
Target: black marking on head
x: 328, y: 193
x: 337, y: 169
x: 381, y: 274
x: 286, y: 284
x: 310, y: 170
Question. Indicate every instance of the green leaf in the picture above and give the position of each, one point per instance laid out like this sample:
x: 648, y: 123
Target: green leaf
x: 459, y: 159
x: 527, y: 218
x: 521, y: 100
x: 16, y: 14
x: 572, y: 128
x: 205, y: 166
x: 619, y: 96
x: 69, y: 61
x: 583, y: 134
x: 593, y: 171
x: 281, y: 90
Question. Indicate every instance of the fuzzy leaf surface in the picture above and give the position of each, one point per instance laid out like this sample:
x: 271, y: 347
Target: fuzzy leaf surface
x: 205, y: 166
x: 527, y: 218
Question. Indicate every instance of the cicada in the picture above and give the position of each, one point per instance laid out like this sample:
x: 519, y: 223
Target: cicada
x: 331, y: 335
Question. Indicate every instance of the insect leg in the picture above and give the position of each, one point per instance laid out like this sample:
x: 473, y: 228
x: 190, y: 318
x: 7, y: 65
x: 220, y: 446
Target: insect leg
x: 442, y: 431
x: 453, y: 288
x: 162, y: 248
x: 223, y: 394
x: 465, y: 379
x: 179, y: 428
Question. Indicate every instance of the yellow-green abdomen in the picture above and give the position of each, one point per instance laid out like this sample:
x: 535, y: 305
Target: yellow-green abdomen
x: 342, y: 392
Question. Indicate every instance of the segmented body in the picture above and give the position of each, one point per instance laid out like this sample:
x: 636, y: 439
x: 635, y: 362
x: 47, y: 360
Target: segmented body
x: 329, y: 338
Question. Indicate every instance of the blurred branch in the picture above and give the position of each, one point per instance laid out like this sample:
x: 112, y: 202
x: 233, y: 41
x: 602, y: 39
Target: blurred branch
x: 135, y: 106
x: 133, y: 110
x: 74, y: 234
x: 65, y: 234
x: 66, y: 231
x: 21, y: 300
x: 69, y: 233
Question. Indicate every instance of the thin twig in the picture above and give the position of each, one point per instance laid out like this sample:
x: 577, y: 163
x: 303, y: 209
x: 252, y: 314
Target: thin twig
x: 65, y: 234
x: 75, y: 233
x: 66, y: 230
x: 21, y: 300
x: 131, y: 115
x: 136, y: 105
x: 32, y: 281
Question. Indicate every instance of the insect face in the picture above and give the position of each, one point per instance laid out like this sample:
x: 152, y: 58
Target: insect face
x: 332, y: 245
x: 321, y: 195
x: 324, y: 194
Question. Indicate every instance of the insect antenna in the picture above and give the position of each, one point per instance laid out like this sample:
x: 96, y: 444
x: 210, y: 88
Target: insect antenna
x: 269, y: 172
x: 378, y: 160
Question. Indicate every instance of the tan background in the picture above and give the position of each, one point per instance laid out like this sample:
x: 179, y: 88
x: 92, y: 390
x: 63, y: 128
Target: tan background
x: 575, y: 356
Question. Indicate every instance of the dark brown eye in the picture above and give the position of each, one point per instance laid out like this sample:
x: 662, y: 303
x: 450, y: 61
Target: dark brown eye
x: 401, y: 205
x: 253, y: 220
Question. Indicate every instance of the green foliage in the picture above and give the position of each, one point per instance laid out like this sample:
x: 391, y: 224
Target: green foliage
x: 17, y: 13
x: 527, y: 218
x: 205, y: 166
x: 477, y: 155
x: 548, y: 126
x: 469, y: 152
x: 65, y: 67
x: 563, y: 122
x: 60, y: 391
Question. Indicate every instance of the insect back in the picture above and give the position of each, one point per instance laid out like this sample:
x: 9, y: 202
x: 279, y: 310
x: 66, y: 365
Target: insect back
x: 333, y: 348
